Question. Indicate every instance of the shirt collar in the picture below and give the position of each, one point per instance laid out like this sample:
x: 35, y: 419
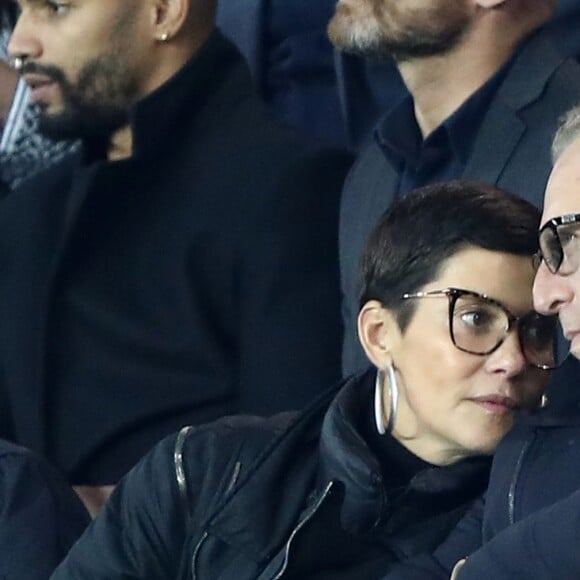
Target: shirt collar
x: 400, y: 138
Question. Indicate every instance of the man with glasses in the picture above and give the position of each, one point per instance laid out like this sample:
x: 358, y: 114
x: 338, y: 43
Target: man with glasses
x: 529, y: 524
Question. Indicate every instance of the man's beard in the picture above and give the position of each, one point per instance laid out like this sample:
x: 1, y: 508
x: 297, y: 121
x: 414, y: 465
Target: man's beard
x: 370, y: 36
x: 95, y: 106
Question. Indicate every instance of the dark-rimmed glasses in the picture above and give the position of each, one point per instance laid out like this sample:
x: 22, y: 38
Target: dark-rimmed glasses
x: 559, y: 244
x: 479, y: 325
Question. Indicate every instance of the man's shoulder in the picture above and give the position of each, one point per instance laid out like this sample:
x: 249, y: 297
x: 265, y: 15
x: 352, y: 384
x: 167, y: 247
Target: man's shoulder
x: 541, y: 76
x: 562, y: 88
x: 56, y: 176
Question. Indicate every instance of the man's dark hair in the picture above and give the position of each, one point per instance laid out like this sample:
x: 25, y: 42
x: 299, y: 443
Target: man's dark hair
x: 420, y: 231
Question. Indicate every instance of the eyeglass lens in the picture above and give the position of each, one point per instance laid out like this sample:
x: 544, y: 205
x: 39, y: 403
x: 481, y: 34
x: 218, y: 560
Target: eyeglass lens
x: 560, y: 247
x: 480, y: 326
x: 551, y: 249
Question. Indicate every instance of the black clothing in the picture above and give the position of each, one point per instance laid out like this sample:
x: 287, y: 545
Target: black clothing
x: 297, y: 495
x: 172, y: 287
x: 40, y: 516
x: 527, y: 527
x: 291, y: 59
x: 389, y: 451
x: 442, y: 155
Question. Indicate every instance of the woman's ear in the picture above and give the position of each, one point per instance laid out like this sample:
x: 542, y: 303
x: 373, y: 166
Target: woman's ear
x: 378, y: 332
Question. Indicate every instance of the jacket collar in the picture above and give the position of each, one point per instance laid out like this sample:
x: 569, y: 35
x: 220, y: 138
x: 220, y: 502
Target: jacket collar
x: 162, y: 114
x: 304, y: 457
x: 346, y: 457
x: 210, y: 83
x: 534, y: 64
x: 504, y: 125
x: 275, y: 488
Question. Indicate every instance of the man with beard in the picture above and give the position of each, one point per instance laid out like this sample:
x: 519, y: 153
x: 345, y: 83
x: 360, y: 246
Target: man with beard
x: 23, y: 151
x: 368, y: 86
x: 178, y: 266
x: 486, y: 89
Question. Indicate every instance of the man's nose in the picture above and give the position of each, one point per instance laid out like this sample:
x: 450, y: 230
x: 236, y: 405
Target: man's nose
x: 551, y: 291
x: 24, y: 42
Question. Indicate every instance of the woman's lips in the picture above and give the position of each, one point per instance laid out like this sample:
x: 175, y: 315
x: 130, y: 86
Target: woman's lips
x: 496, y: 404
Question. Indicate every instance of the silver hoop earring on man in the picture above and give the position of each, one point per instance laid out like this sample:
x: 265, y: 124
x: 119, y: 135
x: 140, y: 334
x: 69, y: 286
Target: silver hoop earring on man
x: 386, y: 420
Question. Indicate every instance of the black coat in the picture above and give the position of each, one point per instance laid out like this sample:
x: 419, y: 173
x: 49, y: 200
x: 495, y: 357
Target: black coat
x: 40, y: 516
x: 293, y: 496
x: 527, y: 526
x: 196, y: 279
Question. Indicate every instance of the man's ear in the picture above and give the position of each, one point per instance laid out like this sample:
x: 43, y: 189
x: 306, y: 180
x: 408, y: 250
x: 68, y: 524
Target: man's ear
x: 378, y: 332
x: 168, y: 17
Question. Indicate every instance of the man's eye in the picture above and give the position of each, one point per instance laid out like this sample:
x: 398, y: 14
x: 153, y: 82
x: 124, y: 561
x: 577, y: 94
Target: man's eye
x: 567, y: 239
x: 57, y: 8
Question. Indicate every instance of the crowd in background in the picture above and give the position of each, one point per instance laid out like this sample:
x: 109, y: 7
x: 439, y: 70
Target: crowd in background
x: 235, y: 209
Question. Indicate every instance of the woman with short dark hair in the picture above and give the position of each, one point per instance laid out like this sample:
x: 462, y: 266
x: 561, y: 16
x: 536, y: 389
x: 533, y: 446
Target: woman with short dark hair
x: 380, y: 467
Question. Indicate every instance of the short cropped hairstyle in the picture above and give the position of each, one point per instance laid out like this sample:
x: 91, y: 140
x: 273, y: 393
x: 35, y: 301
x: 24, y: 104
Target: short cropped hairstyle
x: 568, y: 132
x: 409, y: 245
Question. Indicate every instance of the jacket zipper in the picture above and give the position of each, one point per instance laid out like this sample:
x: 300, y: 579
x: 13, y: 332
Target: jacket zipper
x: 234, y: 479
x: 514, y: 482
x: 195, y: 554
x: 300, y: 525
x: 294, y: 533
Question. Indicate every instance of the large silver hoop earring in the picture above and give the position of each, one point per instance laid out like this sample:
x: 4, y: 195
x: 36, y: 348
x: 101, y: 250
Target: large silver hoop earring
x: 386, y: 421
